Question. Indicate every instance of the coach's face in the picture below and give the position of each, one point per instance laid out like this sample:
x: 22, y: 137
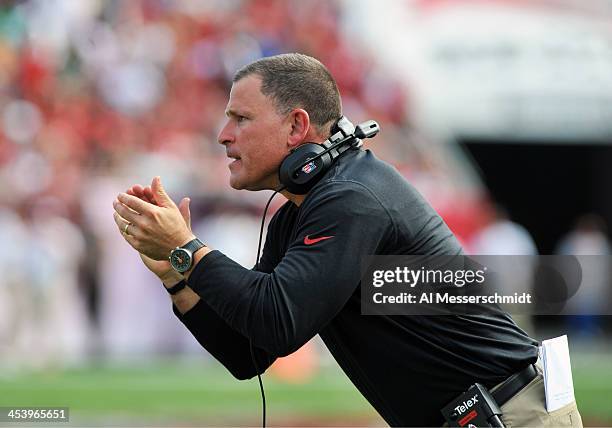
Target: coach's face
x: 254, y: 136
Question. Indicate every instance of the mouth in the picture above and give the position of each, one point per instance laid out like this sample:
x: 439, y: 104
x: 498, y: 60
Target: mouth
x: 235, y: 159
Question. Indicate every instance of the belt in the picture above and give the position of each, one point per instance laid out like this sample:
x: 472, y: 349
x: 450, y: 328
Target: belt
x: 508, y: 388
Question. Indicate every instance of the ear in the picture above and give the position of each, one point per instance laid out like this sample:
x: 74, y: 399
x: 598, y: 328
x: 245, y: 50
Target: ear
x: 299, y: 123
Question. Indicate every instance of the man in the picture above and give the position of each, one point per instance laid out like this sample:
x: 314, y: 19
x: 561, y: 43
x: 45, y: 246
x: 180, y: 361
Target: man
x: 307, y: 281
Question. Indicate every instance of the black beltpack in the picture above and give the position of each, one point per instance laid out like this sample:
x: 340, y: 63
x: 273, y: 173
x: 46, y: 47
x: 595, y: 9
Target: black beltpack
x: 474, y: 408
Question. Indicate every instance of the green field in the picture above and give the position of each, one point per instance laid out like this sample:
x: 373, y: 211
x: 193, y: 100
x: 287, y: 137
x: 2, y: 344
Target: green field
x: 171, y: 393
x: 202, y: 393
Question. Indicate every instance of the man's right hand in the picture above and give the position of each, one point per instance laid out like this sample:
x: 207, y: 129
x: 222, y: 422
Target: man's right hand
x: 161, y: 268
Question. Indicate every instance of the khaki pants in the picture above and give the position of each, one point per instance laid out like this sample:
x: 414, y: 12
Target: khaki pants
x: 528, y: 408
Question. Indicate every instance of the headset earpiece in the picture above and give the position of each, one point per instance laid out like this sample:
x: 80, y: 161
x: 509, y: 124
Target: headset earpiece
x: 306, y: 164
x: 300, y: 180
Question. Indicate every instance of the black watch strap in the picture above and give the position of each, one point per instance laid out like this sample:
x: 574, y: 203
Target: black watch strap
x: 177, y: 287
x: 194, y: 245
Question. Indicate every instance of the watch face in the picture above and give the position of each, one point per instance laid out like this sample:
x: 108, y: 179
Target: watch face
x: 180, y: 259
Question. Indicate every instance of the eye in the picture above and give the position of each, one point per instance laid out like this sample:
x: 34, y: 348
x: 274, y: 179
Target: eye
x: 240, y: 119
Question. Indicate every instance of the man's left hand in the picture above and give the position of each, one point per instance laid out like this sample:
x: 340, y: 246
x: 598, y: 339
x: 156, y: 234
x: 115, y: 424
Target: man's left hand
x: 154, y: 230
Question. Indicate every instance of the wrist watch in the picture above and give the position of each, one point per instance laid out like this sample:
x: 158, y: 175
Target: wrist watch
x: 181, y: 258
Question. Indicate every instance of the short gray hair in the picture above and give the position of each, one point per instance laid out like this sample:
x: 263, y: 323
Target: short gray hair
x: 298, y: 81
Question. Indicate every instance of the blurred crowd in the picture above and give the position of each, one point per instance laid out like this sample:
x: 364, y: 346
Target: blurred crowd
x: 97, y: 95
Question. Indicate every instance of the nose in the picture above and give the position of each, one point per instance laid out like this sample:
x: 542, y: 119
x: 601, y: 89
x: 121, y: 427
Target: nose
x: 226, y: 135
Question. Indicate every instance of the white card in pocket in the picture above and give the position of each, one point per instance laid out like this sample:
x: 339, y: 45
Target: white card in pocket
x: 558, y: 383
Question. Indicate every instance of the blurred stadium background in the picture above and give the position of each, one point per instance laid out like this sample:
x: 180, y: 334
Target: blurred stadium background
x: 498, y: 111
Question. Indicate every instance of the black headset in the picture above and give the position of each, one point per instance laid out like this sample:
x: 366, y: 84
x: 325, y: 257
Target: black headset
x: 307, y: 164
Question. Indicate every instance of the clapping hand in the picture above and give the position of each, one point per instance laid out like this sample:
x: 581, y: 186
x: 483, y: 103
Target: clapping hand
x: 153, y: 224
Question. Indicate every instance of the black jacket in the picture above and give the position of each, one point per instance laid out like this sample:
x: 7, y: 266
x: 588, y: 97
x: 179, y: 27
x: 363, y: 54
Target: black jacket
x: 407, y: 367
